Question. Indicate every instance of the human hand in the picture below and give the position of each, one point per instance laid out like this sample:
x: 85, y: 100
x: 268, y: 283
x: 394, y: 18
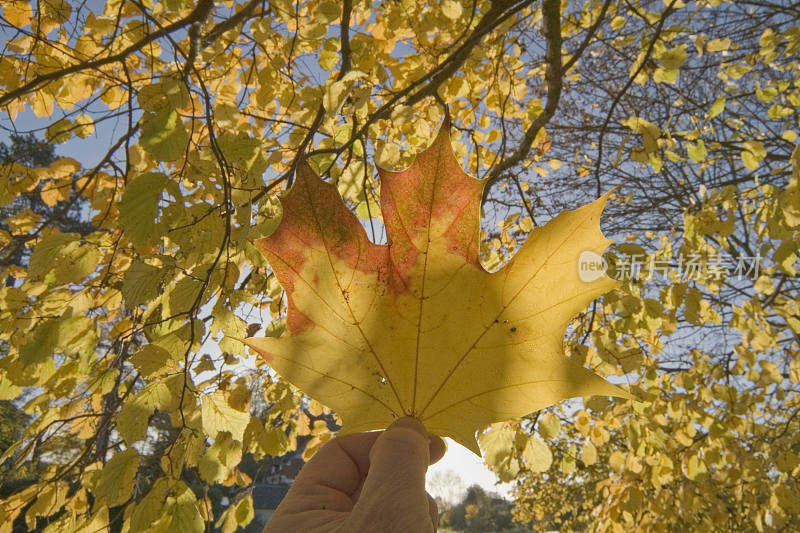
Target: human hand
x: 365, y: 482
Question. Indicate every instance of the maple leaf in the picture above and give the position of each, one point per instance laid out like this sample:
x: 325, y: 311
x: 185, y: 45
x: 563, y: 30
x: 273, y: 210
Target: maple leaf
x: 417, y: 327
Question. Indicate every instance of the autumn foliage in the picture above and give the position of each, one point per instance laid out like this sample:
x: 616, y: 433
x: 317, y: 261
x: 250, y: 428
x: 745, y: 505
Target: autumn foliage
x: 376, y: 332
x: 188, y: 139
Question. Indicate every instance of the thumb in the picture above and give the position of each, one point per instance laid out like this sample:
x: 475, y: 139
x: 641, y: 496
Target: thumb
x: 394, y: 487
x: 400, y: 456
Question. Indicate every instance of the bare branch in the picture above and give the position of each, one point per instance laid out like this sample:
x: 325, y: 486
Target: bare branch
x: 551, y: 15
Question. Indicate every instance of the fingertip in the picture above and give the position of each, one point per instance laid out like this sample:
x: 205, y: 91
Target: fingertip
x: 438, y: 447
x: 405, y: 436
x: 408, y: 422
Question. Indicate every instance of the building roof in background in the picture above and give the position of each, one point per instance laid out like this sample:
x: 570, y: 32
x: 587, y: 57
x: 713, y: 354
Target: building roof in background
x: 268, y: 496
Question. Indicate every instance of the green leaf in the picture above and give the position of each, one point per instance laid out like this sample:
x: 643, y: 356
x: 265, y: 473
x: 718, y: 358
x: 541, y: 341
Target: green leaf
x: 788, y: 499
x: 115, y: 485
x: 141, y: 283
x: 65, y: 256
x: 313, y: 30
x: 182, y: 295
x: 767, y: 94
x: 170, y: 92
x: 75, y: 262
x: 150, y: 508
x: 159, y: 394
x: 737, y: 71
x: 74, y: 335
x: 239, y: 148
x: 8, y: 391
x: 673, y: 58
x: 133, y: 420
x: 749, y: 160
x: 150, y: 359
x: 41, y: 261
x: 163, y: 135
x: 138, y: 211
x: 41, y: 342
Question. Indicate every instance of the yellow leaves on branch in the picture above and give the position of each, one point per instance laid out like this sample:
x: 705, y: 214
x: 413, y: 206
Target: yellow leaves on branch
x: 218, y: 416
x: 418, y: 327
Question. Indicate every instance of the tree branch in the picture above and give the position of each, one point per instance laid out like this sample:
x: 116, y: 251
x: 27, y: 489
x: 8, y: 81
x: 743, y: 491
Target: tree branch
x: 499, y: 13
x: 622, y: 91
x: 199, y: 14
x: 551, y: 14
x: 229, y: 23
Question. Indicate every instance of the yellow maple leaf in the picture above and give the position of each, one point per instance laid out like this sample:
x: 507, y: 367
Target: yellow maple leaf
x: 418, y: 327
